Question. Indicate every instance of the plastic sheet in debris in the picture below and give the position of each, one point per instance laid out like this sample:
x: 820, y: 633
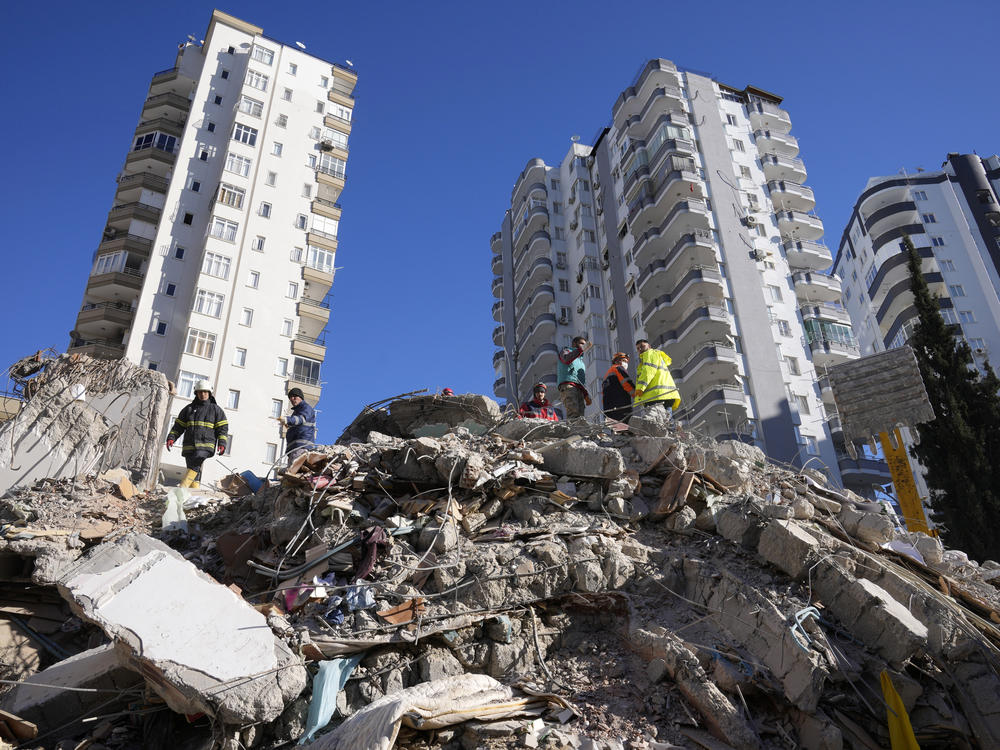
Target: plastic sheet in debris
x: 329, y: 681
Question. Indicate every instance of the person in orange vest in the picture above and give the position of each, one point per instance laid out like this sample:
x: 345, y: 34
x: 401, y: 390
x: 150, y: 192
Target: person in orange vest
x: 539, y: 407
x: 617, y: 389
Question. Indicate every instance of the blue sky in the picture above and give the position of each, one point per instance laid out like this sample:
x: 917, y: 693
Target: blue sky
x: 453, y: 99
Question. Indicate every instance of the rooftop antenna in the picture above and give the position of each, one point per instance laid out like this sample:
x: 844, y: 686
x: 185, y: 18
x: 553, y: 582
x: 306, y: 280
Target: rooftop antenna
x: 574, y: 138
x: 349, y: 63
x: 192, y: 38
x: 300, y: 45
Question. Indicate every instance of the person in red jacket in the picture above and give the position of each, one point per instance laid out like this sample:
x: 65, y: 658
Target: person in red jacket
x: 539, y: 407
x: 617, y: 389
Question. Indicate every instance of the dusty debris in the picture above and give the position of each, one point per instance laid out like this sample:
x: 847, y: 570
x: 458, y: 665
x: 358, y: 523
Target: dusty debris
x: 674, y: 591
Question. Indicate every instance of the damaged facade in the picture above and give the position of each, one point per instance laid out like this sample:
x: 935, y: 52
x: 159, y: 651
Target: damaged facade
x: 449, y: 577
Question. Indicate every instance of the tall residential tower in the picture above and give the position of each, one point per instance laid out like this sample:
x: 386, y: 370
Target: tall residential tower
x: 218, y: 254
x: 686, y: 222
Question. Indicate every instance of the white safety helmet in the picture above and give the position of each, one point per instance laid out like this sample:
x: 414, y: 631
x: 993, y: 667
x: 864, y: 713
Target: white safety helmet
x: 202, y: 385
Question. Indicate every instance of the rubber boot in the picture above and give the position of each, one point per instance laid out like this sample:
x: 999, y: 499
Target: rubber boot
x: 188, y: 478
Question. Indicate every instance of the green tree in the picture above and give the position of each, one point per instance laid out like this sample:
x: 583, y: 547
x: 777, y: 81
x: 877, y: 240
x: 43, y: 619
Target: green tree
x: 960, y: 448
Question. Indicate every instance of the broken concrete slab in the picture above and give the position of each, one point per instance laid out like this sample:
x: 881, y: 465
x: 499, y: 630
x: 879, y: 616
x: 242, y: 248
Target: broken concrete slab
x: 583, y: 458
x: 534, y: 429
x: 200, y: 646
x: 789, y: 547
x: 83, y: 414
x: 433, y: 416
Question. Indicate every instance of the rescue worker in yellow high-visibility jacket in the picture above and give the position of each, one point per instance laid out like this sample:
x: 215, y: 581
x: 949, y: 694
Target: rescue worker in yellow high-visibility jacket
x: 654, y: 386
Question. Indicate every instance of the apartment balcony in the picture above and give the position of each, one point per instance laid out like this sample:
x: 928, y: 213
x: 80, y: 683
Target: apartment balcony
x: 313, y: 314
x: 330, y: 181
x: 664, y: 99
x: 892, y: 216
x: 165, y: 77
x: 329, y: 209
x: 496, y: 264
x: 826, y: 311
x: 304, y: 345
x: 498, y: 311
x: 338, y: 123
x: 497, y: 287
x: 698, y: 323
x: 698, y: 285
x: 863, y: 472
x: 807, y: 256
x: 651, y: 208
x: 170, y: 126
x: 828, y: 351
x: 97, y: 348
x: 498, y: 358
x: 131, y: 243
x: 768, y: 116
x: 531, y: 176
x: 541, y: 331
x: 536, y: 219
x: 778, y: 144
x: 798, y: 225
x: 657, y: 78
x: 816, y: 287
x: 826, y: 395
x: 687, y: 217
x: 894, y: 270
x: 790, y: 196
x: 714, y: 362
x: 151, y: 158
x: 722, y: 407
x: 500, y: 388
x: 122, y: 284
x: 540, y: 301
x: 652, y: 254
x: 495, y: 243
x: 98, y: 317
x: 539, y: 245
x: 167, y: 104
x: 317, y: 282
x: 783, y: 168
x: 130, y: 186
x: 540, y: 366
x: 121, y: 216
x: 311, y: 388
x: 498, y: 339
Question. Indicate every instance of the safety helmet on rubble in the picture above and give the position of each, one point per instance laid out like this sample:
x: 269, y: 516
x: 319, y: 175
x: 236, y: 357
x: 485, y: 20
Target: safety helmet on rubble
x: 202, y: 385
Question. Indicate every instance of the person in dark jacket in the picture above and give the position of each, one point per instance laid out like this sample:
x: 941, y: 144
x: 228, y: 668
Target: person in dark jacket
x: 301, y: 424
x: 617, y: 389
x: 205, y: 429
x: 538, y: 407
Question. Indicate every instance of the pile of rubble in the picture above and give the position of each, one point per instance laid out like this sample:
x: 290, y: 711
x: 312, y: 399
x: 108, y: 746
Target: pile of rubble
x: 449, y: 577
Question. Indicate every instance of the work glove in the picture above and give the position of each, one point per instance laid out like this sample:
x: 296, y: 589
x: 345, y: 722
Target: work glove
x: 281, y: 420
x: 221, y: 449
x: 170, y: 444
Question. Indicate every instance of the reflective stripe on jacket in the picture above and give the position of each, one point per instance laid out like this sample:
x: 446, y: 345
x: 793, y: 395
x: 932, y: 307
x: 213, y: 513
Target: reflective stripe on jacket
x: 534, y: 410
x: 654, y: 380
x: 617, y: 388
x: 203, y: 425
x: 301, y: 425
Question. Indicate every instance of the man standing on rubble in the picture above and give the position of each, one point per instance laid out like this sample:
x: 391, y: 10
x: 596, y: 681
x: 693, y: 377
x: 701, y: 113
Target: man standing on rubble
x: 301, y: 424
x: 205, y: 429
x: 538, y: 407
x: 654, y: 386
x: 573, y: 377
x: 618, y: 388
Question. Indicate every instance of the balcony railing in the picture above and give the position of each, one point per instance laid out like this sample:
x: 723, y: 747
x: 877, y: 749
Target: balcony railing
x: 318, y: 341
x: 306, y: 379
x: 337, y: 173
x: 107, y: 306
x: 329, y: 204
x: 145, y: 178
x: 314, y: 303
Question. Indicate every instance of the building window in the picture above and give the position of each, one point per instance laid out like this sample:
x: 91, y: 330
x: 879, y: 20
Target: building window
x: 956, y: 290
x: 210, y: 127
x: 286, y: 327
x: 257, y: 244
x: 253, y: 279
x: 186, y: 381
x: 803, y: 403
x: 245, y: 134
x: 188, y: 218
x: 314, y: 133
x: 744, y: 172
x: 225, y: 75
x: 265, y: 209
x: 949, y: 316
x: 276, y: 148
x: 179, y: 252
x: 870, y: 276
x: 812, y: 447
x: 593, y: 291
x: 325, y: 226
x: 256, y: 80
x: 200, y: 343
x: 218, y: 100
x: 937, y: 241
x: 281, y: 367
x: 209, y: 303
x: 332, y: 166
x: 194, y: 185
x: 286, y: 95
x: 946, y: 265
x: 560, y: 260
x: 282, y: 121
x: 774, y: 292
x: 262, y: 54
x: 156, y: 140
x: 216, y: 265
x: 240, y: 358
x: 250, y: 106
x: 153, y: 365
x: 738, y: 145
x: 246, y: 317
x: 203, y: 155
x: 223, y: 229
x: 559, y: 234
x: 231, y: 195
x: 276, y: 407
x: 563, y: 285
x: 966, y: 316
x: 270, y: 453
x: 301, y: 221
x: 320, y: 107
x: 978, y: 346
x: 238, y: 164
x: 324, y: 82
x: 783, y: 328
x: 296, y: 255
x: 793, y: 366
x: 170, y: 290
x: 293, y: 69
x: 161, y: 329
x: 231, y: 51
x: 307, y: 190
x: 320, y: 259
x: 271, y: 179
x: 557, y: 208
x: 919, y: 195
x: 293, y: 290
x: 928, y: 218
x: 306, y: 371
x: 588, y: 235
x: 730, y: 119
x: 233, y: 402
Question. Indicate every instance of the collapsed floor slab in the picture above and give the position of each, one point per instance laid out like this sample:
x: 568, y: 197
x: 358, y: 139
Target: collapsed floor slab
x: 198, y: 644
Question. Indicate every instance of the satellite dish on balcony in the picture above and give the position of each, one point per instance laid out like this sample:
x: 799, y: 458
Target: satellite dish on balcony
x: 300, y: 45
x: 192, y: 37
x: 574, y: 138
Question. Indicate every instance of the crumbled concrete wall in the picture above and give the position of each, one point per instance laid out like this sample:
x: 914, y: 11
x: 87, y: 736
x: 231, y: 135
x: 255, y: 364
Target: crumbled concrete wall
x: 87, y: 415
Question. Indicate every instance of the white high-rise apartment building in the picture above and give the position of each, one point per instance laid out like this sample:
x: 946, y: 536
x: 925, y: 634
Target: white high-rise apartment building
x: 952, y: 217
x: 687, y: 223
x: 219, y: 249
